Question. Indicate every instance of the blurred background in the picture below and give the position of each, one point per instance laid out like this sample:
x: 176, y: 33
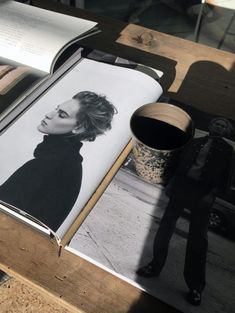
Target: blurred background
x: 210, y: 22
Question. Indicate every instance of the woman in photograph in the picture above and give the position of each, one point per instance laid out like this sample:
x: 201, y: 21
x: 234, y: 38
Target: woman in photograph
x: 47, y: 186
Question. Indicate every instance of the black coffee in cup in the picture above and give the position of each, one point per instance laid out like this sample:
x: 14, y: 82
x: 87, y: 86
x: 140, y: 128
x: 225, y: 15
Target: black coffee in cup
x: 158, y: 134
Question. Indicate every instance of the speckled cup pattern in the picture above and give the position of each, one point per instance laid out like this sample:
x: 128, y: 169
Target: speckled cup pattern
x: 152, y: 165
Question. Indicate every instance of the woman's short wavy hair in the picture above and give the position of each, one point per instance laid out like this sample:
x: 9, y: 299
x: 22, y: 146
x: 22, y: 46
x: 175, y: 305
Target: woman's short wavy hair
x: 94, y: 116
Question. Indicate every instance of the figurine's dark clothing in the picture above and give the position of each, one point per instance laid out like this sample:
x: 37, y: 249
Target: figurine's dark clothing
x: 194, y: 192
x: 47, y: 186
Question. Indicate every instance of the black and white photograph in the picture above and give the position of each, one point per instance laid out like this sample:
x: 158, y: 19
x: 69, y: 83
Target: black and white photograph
x: 68, y: 140
x: 175, y: 241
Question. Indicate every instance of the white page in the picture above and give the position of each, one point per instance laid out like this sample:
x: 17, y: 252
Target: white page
x: 126, y: 89
x: 118, y: 235
x: 33, y: 36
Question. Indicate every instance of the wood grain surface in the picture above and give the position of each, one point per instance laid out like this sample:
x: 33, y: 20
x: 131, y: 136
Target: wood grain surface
x: 204, y: 76
x: 18, y: 297
x: 195, y: 74
x: 76, y: 283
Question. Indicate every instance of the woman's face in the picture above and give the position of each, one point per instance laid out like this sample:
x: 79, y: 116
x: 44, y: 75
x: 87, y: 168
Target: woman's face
x: 62, y: 120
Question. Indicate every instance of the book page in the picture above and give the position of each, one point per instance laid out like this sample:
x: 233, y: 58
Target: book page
x: 68, y: 185
x: 33, y: 36
x: 119, y: 233
x: 16, y: 81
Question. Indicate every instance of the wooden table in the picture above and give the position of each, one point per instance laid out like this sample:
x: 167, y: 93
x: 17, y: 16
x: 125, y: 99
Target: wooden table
x: 198, y: 75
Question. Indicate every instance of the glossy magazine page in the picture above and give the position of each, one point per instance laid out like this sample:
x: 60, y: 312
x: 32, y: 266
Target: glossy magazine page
x: 119, y: 235
x: 54, y: 157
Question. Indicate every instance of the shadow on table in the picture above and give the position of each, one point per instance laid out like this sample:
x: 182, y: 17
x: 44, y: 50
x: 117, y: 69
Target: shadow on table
x: 207, y: 87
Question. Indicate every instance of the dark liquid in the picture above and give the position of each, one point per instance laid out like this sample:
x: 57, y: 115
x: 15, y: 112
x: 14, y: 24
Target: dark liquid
x: 157, y: 134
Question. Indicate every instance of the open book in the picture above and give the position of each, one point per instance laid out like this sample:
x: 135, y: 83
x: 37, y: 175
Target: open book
x: 119, y: 233
x: 58, y: 174
x: 34, y: 44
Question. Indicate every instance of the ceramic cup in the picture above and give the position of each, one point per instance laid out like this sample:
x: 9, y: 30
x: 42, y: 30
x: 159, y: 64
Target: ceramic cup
x: 159, y: 132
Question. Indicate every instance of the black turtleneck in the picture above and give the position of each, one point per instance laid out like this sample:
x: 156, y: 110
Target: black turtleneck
x: 47, y: 186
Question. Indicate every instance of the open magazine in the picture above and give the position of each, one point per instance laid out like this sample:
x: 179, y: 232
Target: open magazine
x: 35, y: 44
x: 58, y: 157
x: 119, y: 233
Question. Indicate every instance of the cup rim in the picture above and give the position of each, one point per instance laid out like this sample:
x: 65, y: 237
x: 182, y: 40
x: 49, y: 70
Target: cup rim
x: 169, y: 105
x: 164, y: 104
